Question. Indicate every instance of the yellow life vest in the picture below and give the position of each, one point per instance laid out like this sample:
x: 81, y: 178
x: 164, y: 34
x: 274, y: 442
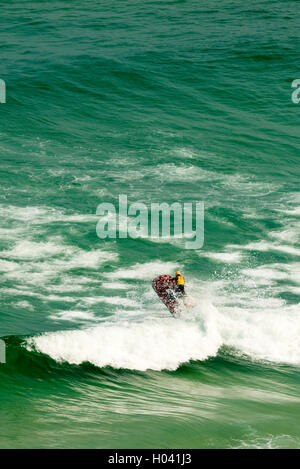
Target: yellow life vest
x: 180, y: 280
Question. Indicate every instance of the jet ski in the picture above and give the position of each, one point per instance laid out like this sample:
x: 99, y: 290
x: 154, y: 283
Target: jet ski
x: 164, y: 286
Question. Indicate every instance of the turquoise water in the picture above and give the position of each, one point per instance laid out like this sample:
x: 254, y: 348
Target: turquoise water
x: 162, y: 101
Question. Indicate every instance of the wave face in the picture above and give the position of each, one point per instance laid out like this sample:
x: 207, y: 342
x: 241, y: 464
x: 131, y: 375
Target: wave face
x: 135, y: 346
x: 165, y: 102
x: 165, y: 344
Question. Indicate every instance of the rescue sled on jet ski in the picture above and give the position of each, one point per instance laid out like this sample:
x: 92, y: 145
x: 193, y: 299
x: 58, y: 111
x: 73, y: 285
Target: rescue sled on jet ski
x: 164, y: 286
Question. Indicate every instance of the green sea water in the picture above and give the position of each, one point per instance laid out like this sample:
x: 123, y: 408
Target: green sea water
x: 164, y: 101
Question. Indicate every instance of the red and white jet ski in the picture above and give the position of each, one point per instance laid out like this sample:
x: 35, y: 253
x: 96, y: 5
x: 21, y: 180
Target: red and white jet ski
x: 165, y: 288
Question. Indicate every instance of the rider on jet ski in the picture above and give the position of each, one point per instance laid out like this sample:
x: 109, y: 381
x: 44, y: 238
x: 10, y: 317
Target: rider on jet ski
x: 179, y: 283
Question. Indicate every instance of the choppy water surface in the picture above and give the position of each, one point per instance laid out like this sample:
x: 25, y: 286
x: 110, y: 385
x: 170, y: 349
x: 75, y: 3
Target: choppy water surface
x: 162, y: 101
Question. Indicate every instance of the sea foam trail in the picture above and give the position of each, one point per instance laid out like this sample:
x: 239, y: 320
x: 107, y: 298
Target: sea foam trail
x: 264, y: 329
x: 152, y: 344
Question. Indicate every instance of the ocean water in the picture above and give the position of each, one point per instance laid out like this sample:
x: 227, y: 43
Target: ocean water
x: 163, y: 101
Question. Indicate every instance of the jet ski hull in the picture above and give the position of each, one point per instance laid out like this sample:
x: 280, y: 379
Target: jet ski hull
x: 164, y: 287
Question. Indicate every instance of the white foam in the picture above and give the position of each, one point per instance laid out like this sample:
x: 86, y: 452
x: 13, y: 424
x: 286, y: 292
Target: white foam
x: 86, y: 259
x: 182, y: 172
x: 294, y: 290
x: 10, y: 233
x: 116, y: 285
x: 73, y: 316
x: 263, y: 327
x: 295, y: 212
x: 113, y: 300
x: 287, y: 249
x: 43, y: 214
x: 255, y: 246
x: 64, y: 288
x: 28, y: 214
x: 139, y: 346
x: 252, y: 319
x: 227, y: 257
x: 69, y: 299
x: 290, y: 235
x: 78, y: 218
x: 43, y: 262
x: 145, y: 271
x: 271, y: 272
x: 269, y: 441
x: 19, y: 291
x: 25, y: 305
x: 185, y: 153
x: 31, y: 250
x: 265, y: 273
x: 268, y: 334
x: 23, y: 274
x: 6, y: 266
x: 267, y: 246
x: 191, y: 173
